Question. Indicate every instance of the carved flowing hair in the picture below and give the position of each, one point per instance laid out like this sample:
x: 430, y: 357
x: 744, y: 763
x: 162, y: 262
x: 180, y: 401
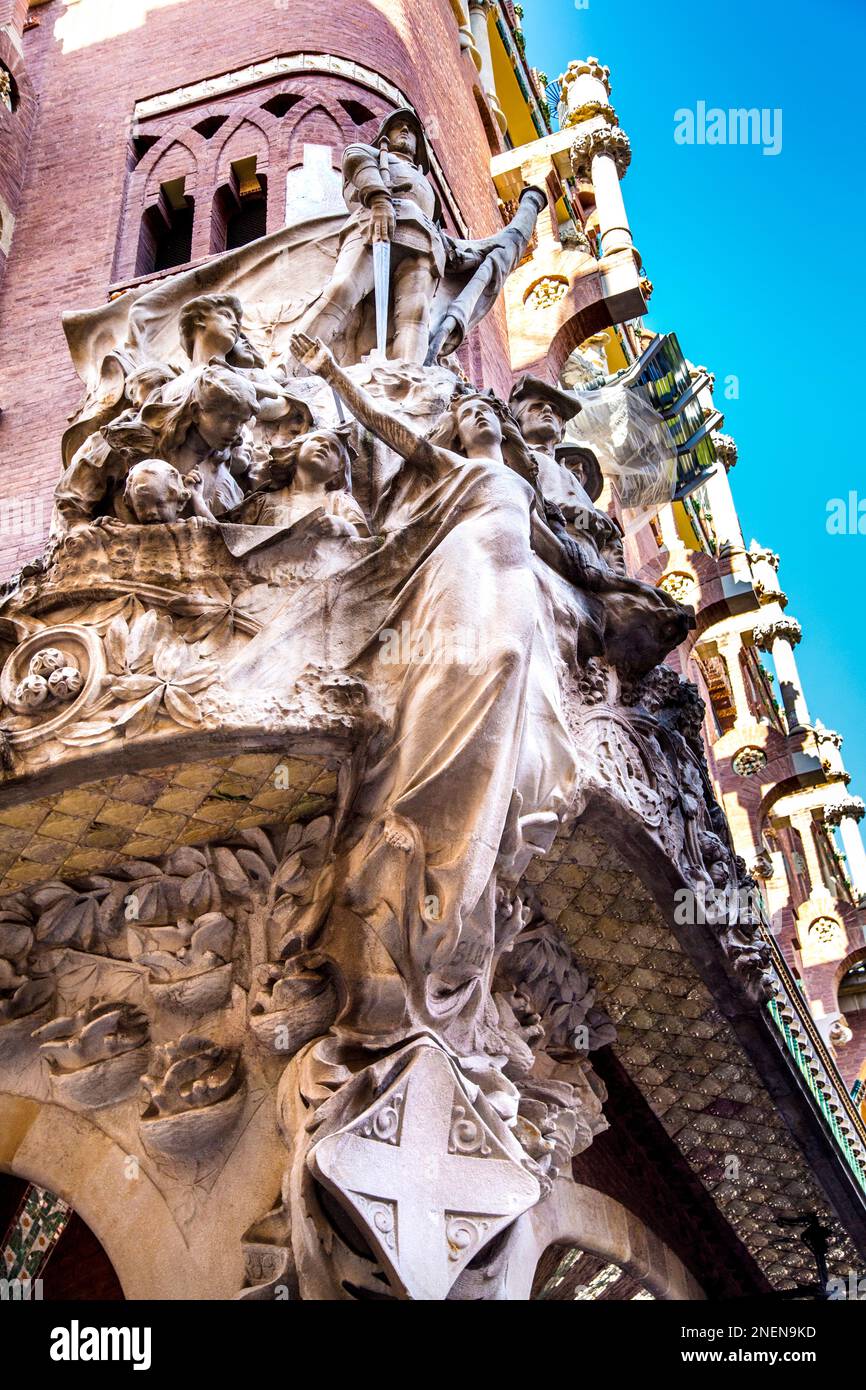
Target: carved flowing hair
x: 162, y: 425
x: 193, y: 318
x: 445, y: 433
x: 279, y: 468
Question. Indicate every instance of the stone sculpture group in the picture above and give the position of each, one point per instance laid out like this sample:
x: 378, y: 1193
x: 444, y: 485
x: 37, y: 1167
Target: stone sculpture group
x: 368, y: 556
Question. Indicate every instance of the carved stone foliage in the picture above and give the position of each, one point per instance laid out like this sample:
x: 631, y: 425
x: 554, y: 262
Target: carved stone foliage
x: 649, y: 756
x: 604, y: 140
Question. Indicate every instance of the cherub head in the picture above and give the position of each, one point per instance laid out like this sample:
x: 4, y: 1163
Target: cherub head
x: 141, y: 384
x: 216, y: 400
x: 155, y: 491
x: 319, y: 458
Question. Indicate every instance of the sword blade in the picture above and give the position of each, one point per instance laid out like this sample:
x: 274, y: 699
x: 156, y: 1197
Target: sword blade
x: 381, y: 276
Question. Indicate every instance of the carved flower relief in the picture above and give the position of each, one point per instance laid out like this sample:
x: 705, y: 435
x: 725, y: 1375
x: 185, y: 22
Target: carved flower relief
x: 151, y: 672
x: 546, y: 292
x: 190, y: 1074
x: 749, y: 762
x: 291, y: 1006
x: 97, y: 1054
x: 156, y: 672
x: 192, y: 1096
x: 189, y: 963
x: 213, y: 615
x: 827, y: 930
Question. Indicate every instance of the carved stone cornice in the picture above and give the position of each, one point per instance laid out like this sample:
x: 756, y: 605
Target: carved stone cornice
x: 851, y: 806
x: 785, y: 627
x: 605, y: 140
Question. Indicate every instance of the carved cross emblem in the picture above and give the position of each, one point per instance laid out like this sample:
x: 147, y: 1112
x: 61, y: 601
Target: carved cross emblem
x: 425, y: 1176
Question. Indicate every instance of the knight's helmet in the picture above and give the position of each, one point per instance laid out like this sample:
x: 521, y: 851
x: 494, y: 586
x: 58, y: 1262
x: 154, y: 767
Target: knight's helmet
x: 405, y: 113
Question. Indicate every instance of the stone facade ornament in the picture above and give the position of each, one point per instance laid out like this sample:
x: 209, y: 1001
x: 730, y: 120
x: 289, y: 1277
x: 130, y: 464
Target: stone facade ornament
x: 826, y: 930
x: 726, y: 450
x: 546, y: 292
x: 836, y: 810
x: 749, y: 762
x: 611, y: 141
x: 785, y: 627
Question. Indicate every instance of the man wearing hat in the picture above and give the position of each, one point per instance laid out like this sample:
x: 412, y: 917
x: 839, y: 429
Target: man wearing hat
x: 390, y: 199
x: 568, y: 474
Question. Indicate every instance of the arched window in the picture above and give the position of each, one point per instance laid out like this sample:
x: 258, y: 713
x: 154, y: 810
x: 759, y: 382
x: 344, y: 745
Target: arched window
x: 165, y: 239
x: 240, y: 208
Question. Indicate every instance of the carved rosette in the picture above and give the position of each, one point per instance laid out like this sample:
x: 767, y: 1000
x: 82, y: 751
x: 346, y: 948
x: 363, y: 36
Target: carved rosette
x: 749, y: 762
x: 609, y: 141
x: 49, y: 680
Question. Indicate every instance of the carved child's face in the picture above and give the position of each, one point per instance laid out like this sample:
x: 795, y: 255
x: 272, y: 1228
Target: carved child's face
x: 321, y: 458
x: 220, y: 422
x: 402, y: 139
x: 540, y: 423
x: 478, y: 423
x: 155, y: 492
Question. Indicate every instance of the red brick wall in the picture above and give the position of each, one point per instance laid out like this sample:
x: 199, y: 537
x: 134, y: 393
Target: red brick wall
x: 63, y: 251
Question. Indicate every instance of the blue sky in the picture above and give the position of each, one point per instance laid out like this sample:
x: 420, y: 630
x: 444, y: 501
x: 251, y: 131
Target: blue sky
x: 755, y: 261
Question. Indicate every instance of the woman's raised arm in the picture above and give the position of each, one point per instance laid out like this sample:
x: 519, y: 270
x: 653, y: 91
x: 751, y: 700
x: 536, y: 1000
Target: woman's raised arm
x: 400, y: 437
